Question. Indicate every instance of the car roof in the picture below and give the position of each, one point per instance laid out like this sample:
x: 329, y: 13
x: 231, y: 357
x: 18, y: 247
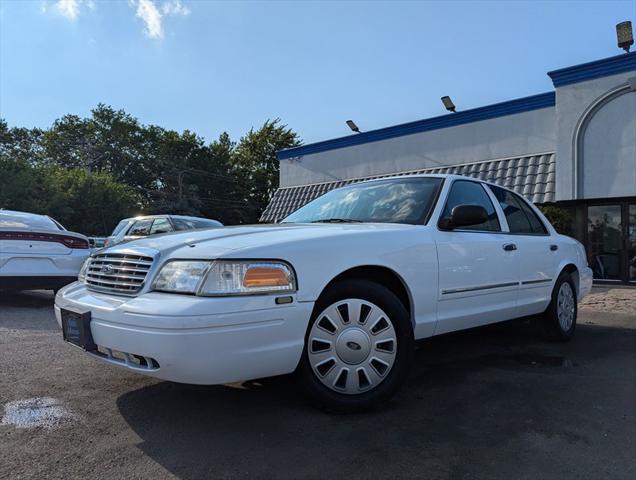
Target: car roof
x: 448, y: 176
x: 166, y: 215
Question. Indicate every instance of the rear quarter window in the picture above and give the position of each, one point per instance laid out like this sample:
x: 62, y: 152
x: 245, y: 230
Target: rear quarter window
x: 520, y: 217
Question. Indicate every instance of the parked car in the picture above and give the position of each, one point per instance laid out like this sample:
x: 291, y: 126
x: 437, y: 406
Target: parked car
x: 338, y: 292
x: 37, y: 252
x: 139, y: 227
x: 97, y: 242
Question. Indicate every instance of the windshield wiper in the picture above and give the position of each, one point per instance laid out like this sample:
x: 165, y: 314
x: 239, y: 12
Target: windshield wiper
x: 336, y: 220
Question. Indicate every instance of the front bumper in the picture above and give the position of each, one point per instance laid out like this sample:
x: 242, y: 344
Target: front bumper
x: 199, y: 340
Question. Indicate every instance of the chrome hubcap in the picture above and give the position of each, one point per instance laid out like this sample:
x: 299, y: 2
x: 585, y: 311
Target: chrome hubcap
x: 565, y: 307
x: 352, y: 346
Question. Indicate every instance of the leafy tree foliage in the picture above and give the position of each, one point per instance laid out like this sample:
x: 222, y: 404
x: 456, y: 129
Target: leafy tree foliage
x: 560, y: 218
x: 88, y: 173
x: 255, y: 163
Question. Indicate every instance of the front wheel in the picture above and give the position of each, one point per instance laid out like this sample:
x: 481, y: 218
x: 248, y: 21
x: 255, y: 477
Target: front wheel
x: 358, y: 347
x: 559, y: 319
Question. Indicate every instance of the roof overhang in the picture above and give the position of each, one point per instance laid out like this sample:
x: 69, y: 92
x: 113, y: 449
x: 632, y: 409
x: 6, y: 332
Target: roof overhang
x: 519, y: 105
x: 591, y: 70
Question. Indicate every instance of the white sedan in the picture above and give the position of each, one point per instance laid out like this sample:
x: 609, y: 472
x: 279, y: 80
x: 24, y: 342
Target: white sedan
x: 338, y: 292
x: 36, y: 252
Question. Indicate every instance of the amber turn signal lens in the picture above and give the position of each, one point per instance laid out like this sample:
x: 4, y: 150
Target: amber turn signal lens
x: 265, y: 277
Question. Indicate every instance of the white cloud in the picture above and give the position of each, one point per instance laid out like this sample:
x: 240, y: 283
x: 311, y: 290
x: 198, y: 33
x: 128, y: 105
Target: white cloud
x: 149, y: 13
x: 175, y: 7
x: 68, y: 8
x: 153, y: 15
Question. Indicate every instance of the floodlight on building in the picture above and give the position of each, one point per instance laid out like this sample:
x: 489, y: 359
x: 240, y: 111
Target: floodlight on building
x: 352, y: 125
x: 448, y: 103
x: 624, y: 35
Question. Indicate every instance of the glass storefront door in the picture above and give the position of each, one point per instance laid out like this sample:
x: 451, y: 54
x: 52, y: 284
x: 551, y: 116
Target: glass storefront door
x: 605, y: 241
x: 631, y: 243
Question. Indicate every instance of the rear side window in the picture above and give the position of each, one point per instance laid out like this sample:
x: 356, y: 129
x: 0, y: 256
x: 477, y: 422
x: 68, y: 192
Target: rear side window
x: 472, y: 193
x: 192, y: 223
x: 140, y: 228
x: 204, y: 223
x: 519, y: 215
x: 160, y: 225
x: 182, y: 224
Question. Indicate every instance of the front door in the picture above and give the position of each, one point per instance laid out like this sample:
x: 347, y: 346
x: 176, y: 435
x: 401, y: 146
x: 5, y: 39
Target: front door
x: 605, y: 242
x: 631, y: 243
x: 478, y: 275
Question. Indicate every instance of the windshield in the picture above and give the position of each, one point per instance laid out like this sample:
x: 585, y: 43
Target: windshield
x: 400, y: 200
x: 26, y: 220
x: 120, y: 226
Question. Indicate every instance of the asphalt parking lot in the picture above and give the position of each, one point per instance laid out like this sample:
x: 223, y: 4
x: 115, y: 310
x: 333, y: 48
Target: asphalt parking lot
x: 498, y: 402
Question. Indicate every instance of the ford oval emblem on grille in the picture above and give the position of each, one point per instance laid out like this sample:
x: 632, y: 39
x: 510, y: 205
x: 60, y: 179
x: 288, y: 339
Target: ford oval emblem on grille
x: 107, y: 269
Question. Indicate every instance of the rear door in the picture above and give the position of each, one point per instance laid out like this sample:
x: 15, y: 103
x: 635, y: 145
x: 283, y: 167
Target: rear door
x: 537, y: 251
x: 478, y: 274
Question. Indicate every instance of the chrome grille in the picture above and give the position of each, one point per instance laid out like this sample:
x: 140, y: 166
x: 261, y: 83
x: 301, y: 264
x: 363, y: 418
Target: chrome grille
x: 118, y: 272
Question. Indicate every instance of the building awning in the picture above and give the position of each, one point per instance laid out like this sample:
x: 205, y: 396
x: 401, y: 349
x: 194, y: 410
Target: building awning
x: 532, y: 176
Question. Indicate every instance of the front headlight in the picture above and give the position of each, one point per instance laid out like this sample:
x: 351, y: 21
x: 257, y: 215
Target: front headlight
x: 221, y: 278
x: 81, y: 276
x: 181, y: 276
x: 248, y: 277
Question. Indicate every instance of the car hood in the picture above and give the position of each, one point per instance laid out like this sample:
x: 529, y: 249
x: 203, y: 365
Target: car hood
x: 213, y: 243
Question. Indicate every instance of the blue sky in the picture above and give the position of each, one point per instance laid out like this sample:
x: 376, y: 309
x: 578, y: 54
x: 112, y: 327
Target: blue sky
x: 227, y: 66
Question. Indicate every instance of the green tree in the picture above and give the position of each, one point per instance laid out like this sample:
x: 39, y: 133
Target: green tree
x: 560, y: 218
x: 255, y: 165
x: 89, y: 203
x: 110, y: 141
x: 22, y: 186
x: 165, y: 171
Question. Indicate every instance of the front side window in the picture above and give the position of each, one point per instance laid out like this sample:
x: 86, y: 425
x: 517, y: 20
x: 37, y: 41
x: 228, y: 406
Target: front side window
x: 520, y: 217
x: 464, y: 192
x: 403, y: 200
x: 140, y: 228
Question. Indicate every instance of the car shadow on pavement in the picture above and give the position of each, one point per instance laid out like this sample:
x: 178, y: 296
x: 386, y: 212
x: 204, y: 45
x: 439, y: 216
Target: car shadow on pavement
x: 27, y: 310
x: 27, y: 298
x: 491, y: 402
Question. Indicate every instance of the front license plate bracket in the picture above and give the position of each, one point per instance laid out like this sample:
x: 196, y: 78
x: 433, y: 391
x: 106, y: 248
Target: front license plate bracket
x: 76, y: 329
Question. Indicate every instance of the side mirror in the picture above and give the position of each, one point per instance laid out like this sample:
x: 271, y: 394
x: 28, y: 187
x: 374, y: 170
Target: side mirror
x: 464, y: 216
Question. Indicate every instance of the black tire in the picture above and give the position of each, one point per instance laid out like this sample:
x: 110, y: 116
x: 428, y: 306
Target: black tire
x: 331, y: 401
x: 551, y: 325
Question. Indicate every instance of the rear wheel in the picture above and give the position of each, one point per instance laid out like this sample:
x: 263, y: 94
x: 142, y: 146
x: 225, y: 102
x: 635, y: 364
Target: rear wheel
x: 559, y: 319
x: 358, y: 347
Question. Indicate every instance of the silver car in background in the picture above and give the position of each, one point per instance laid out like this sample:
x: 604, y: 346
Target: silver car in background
x: 144, y: 226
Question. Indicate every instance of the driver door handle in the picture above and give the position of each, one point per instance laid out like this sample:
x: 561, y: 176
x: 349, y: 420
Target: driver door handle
x: 509, y: 247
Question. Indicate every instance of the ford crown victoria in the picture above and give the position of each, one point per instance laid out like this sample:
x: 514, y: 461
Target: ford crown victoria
x: 338, y: 292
